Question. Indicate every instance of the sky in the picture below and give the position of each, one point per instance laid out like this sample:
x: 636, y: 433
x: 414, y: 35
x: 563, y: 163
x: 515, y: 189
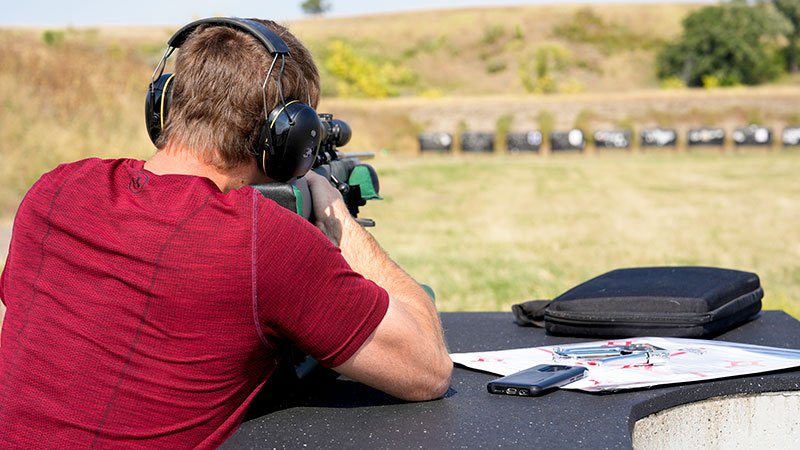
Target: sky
x: 63, y: 13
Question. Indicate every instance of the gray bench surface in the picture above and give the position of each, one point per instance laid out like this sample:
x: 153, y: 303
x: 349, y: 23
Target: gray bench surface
x: 346, y: 414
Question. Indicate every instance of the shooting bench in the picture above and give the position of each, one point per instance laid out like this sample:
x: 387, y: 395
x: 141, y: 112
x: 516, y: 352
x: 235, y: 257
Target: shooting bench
x: 346, y: 414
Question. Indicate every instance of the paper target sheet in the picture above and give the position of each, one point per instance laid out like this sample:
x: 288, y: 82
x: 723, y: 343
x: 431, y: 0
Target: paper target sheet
x: 685, y: 360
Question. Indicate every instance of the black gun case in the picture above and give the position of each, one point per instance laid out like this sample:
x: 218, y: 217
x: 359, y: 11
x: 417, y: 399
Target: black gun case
x: 650, y: 301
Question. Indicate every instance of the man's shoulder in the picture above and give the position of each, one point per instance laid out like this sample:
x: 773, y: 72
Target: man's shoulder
x: 95, y: 162
x: 90, y: 164
x: 65, y: 173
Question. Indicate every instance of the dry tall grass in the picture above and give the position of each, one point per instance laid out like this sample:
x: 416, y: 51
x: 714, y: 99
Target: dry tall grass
x: 77, y: 97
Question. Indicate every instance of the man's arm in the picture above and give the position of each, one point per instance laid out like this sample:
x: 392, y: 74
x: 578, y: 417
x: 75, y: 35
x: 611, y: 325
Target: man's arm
x: 406, y: 355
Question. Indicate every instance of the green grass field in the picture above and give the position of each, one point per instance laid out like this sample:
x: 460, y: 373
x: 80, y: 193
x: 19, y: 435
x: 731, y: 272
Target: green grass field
x: 488, y: 232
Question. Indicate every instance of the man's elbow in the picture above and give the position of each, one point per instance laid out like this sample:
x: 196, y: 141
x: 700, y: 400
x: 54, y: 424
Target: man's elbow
x: 433, y: 384
x: 445, y: 373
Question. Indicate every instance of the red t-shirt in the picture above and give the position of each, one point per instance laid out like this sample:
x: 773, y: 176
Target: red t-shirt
x: 145, y: 311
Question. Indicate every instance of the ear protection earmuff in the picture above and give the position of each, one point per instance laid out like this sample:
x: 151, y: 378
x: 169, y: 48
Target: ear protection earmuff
x: 156, y: 104
x: 290, y: 134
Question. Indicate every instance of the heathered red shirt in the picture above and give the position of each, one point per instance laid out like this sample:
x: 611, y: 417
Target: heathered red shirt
x: 145, y: 311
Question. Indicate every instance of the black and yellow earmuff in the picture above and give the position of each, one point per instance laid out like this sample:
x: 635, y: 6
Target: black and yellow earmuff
x: 156, y: 104
x: 291, y: 132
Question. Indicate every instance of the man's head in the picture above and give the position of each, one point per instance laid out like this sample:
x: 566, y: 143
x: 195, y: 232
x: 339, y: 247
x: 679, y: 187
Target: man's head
x: 217, y: 108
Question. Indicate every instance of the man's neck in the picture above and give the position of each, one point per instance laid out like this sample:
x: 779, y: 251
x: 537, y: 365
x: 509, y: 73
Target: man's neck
x: 179, y: 161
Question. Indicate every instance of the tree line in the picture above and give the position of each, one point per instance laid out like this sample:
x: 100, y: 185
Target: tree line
x: 734, y: 43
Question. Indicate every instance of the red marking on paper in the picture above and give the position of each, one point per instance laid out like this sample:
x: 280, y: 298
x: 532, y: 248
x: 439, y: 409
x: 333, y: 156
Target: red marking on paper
x: 617, y: 344
x: 648, y: 367
x: 733, y: 364
x: 701, y: 375
x: 676, y: 354
x: 489, y: 360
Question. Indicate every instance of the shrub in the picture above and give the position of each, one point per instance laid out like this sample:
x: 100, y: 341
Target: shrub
x: 546, y: 122
x: 502, y: 126
x: 710, y: 81
x: 538, y: 73
x: 584, y: 119
x: 587, y: 27
x: 492, y: 34
x: 52, y: 37
x: 360, y: 76
x: 672, y: 82
x: 496, y: 66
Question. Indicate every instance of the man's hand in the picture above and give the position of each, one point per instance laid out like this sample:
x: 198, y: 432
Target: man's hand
x: 329, y: 209
x: 406, y: 355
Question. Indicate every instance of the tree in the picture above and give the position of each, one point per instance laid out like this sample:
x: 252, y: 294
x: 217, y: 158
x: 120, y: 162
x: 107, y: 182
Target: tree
x: 315, y: 6
x: 791, y: 11
x: 729, y: 44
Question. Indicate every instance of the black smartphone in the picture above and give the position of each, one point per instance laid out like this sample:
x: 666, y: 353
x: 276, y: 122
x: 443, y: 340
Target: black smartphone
x: 536, y: 380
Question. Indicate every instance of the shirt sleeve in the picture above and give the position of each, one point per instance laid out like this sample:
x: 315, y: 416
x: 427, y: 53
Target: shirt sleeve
x: 2, y: 286
x: 306, y: 291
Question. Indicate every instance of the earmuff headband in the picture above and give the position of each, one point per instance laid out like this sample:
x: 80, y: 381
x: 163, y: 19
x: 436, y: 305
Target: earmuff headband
x: 264, y: 85
x: 271, y: 41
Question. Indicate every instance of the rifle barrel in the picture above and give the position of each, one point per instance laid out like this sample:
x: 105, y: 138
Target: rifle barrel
x: 365, y: 155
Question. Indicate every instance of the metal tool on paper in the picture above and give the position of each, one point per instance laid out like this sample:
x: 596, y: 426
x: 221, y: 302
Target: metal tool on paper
x: 631, y: 354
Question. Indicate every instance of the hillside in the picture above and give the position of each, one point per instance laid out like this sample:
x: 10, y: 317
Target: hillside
x: 480, y: 51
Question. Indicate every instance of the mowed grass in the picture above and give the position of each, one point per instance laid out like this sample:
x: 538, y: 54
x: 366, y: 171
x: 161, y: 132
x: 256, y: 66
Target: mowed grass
x: 488, y: 232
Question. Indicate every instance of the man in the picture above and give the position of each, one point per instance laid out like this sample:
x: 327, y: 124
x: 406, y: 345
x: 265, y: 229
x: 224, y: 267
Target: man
x: 148, y: 302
